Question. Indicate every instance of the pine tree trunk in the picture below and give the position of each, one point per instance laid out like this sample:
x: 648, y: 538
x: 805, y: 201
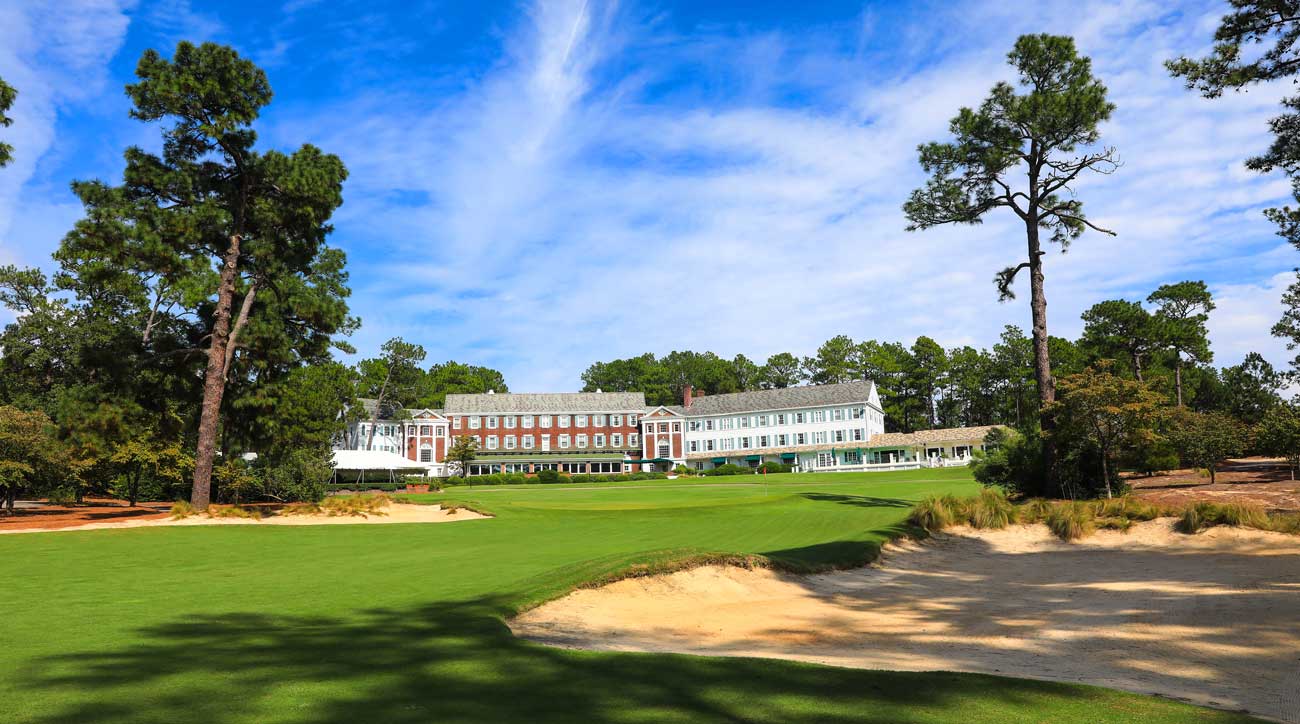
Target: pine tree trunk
x: 1042, y: 356
x: 1105, y: 474
x: 214, y: 380
x: 1178, y: 376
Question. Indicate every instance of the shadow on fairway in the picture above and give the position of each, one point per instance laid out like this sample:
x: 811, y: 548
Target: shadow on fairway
x: 459, y: 663
x: 861, y: 501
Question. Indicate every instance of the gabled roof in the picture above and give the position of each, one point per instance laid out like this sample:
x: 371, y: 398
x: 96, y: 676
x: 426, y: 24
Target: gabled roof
x: 668, y: 411
x: 926, y: 437
x: 787, y: 398
x: 526, y: 402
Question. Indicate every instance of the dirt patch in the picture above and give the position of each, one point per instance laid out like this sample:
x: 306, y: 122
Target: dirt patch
x: 42, y: 515
x: 1262, y: 481
x: 394, y: 513
x: 1212, y: 619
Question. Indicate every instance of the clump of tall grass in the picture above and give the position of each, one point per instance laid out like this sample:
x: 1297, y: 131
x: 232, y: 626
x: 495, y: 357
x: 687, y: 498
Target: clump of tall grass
x: 181, y: 509
x: 1118, y: 523
x: 234, y: 511
x: 1071, y: 521
x: 1128, y: 507
x: 934, y: 514
x: 301, y: 508
x: 1286, y: 523
x: 1035, y: 510
x: 991, y: 510
x: 1199, y: 516
x: 360, y: 505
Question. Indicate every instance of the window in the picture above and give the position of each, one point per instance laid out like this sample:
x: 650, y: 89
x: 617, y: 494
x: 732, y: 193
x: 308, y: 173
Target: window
x: 852, y: 457
x: 825, y: 460
x: 839, y: 436
x: 744, y: 422
x: 744, y: 443
x: 677, y: 427
x: 708, y: 424
x: 780, y: 419
x: 631, y: 420
x: 455, y: 423
x: 857, y: 434
x: 633, y: 440
x: 426, y: 430
x: 598, y: 440
x: 580, y: 421
x: 598, y: 420
x: 510, y: 442
x: 693, y: 426
x: 616, y: 421
x: 546, y: 442
x: 801, y: 438
x: 694, y: 446
x: 799, y: 418
x: 709, y: 445
x: 819, y: 437
x: 663, y: 427
x: 782, y: 440
x: 665, y: 450
x: 492, y: 422
x: 544, y: 421
x: 426, y: 454
x: 561, y: 420
x: 492, y: 442
x: 582, y: 441
x: 762, y: 420
x: 527, y: 421
x: 837, y: 414
x: 762, y: 441
x: 474, y: 422
x: 819, y: 416
x: 616, y: 440
x: 564, y: 442
x: 528, y: 442
x: 856, y: 413
x: 508, y: 422
x: 726, y: 423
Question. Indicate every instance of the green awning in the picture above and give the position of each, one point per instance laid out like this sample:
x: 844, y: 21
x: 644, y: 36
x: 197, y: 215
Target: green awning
x: 719, y: 461
x: 652, y: 460
x: 789, y: 456
x: 753, y: 458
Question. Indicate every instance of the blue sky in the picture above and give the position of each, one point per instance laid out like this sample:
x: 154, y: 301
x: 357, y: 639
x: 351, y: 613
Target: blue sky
x: 539, y: 185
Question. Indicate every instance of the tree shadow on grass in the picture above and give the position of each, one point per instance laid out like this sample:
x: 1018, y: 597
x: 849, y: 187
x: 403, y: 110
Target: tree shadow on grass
x: 458, y: 662
x: 861, y: 501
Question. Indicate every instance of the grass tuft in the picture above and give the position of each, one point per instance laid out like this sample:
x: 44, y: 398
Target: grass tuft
x: 1071, y: 521
x: 181, y: 509
x: 932, y: 514
x: 359, y: 505
x: 991, y: 510
x: 234, y: 511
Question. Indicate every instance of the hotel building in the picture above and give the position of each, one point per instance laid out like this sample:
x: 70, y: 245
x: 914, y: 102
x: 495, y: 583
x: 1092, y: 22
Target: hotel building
x: 813, y: 428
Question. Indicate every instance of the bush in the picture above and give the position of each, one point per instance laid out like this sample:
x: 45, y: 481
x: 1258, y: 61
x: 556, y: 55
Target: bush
x: 548, y: 476
x: 1119, y: 524
x: 1013, y: 462
x: 683, y: 470
x: 1194, y: 518
x: 1070, y: 521
x: 771, y: 467
x: 234, y: 511
x: 1200, y: 516
x: 728, y: 469
x: 299, y: 476
x: 181, y: 509
x: 63, y: 495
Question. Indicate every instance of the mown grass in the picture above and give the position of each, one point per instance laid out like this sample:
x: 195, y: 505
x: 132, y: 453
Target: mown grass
x: 406, y: 622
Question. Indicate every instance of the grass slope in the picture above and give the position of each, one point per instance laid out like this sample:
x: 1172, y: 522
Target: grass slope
x: 404, y: 623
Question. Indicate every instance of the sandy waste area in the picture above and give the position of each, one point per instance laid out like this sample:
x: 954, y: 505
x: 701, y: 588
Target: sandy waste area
x: 1212, y: 619
x: 393, y: 513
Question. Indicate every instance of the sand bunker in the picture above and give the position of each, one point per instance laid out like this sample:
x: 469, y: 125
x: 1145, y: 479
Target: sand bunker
x: 1213, y: 619
x: 394, y: 513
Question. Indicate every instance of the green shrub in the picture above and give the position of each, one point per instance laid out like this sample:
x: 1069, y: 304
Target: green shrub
x: 548, y: 476
x: 728, y: 469
x: 298, y: 476
x: 771, y: 467
x: 683, y: 470
x: 63, y: 495
x: 1070, y: 521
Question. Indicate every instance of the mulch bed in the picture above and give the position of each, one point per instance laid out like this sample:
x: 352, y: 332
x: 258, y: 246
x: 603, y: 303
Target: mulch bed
x: 43, y: 514
x: 1262, y: 481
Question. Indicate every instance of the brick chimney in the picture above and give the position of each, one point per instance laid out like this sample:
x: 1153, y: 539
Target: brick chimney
x: 686, y: 396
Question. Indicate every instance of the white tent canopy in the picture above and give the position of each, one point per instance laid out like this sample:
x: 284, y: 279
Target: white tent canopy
x: 363, y: 461
x: 373, y: 460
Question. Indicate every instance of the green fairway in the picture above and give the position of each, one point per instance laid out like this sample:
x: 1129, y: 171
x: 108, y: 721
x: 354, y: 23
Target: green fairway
x: 405, y: 623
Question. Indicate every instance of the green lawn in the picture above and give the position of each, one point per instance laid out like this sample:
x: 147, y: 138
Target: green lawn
x: 404, y: 623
